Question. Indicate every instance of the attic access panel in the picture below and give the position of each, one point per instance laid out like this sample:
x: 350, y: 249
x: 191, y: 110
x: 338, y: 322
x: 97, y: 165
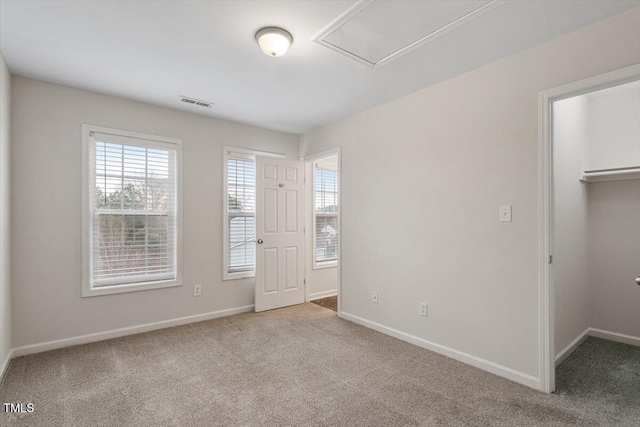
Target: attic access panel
x: 375, y: 32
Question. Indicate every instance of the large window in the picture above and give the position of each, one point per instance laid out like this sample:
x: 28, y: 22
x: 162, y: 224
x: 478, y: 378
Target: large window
x: 325, y: 200
x: 240, y: 212
x: 132, y: 212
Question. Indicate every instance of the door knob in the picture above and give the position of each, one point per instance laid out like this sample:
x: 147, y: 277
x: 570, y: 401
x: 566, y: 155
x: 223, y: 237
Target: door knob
x: 638, y: 280
x: 260, y: 241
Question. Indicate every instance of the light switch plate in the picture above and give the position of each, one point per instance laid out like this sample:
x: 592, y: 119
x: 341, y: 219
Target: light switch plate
x: 505, y: 213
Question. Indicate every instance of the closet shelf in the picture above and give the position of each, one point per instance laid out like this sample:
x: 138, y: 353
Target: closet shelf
x: 612, y: 174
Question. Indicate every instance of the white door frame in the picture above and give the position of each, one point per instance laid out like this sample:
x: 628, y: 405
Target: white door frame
x: 309, y: 158
x: 546, y: 283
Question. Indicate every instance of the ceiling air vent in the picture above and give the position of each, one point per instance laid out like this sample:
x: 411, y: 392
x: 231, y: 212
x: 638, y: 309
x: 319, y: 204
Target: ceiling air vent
x: 197, y: 102
x: 375, y: 32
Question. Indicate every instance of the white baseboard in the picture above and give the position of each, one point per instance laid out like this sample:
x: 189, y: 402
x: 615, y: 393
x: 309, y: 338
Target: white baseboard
x: 486, y: 365
x: 614, y: 336
x: 131, y: 330
x: 597, y: 333
x: 5, y: 364
x: 324, y: 294
x: 560, y: 357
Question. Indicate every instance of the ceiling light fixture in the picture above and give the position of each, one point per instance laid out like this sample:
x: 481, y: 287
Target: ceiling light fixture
x: 274, y: 41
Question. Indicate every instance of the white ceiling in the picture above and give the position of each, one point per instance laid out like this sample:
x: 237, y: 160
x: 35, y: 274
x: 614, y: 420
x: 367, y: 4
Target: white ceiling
x: 156, y: 51
x: 376, y: 30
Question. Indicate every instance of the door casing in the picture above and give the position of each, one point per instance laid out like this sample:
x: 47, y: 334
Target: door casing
x: 309, y: 212
x: 546, y: 283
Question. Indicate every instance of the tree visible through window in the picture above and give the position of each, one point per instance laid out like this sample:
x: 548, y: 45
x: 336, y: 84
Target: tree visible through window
x: 133, y: 213
x: 326, y: 214
x: 241, y: 217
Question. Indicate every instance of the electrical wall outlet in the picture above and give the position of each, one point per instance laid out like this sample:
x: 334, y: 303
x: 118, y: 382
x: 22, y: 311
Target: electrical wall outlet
x: 424, y: 309
x: 197, y: 290
x: 374, y: 297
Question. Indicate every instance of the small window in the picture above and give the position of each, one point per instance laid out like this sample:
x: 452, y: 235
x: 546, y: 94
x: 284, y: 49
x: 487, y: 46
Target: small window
x: 325, y: 200
x: 240, y: 212
x: 132, y: 208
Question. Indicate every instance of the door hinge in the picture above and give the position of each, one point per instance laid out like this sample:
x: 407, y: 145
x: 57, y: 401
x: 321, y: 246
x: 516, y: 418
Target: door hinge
x: 550, y: 259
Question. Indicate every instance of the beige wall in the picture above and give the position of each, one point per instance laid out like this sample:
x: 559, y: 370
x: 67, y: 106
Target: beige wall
x: 46, y: 207
x: 5, y: 229
x: 614, y: 211
x: 614, y: 256
x: 323, y: 282
x: 614, y: 127
x: 428, y: 172
x: 571, y: 220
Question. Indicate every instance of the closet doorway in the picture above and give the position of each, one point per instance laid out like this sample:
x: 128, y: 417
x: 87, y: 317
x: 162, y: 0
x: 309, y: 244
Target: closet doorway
x: 590, y: 237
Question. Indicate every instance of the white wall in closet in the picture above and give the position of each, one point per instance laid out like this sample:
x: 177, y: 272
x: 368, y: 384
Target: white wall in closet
x: 597, y: 224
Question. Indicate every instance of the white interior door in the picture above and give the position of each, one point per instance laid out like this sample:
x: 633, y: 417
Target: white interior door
x: 279, y: 233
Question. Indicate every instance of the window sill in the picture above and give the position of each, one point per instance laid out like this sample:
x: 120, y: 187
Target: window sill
x: 324, y: 264
x: 88, y: 291
x: 239, y: 275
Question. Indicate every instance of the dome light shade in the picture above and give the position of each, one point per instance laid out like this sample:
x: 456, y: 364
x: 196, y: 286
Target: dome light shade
x: 274, y: 41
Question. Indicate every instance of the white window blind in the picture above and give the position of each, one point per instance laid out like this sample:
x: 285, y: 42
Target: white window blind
x: 133, y: 210
x: 326, y: 214
x: 241, y: 212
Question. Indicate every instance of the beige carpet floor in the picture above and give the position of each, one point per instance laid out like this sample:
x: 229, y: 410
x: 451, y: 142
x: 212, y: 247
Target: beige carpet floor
x: 296, y: 366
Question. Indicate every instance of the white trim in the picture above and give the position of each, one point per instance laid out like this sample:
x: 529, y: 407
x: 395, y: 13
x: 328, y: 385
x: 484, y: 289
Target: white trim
x: 323, y: 294
x: 546, y: 285
x: 250, y: 154
x: 342, y: 19
x: 5, y: 364
x: 322, y: 154
x: 130, y: 134
x: 546, y: 303
x: 147, y: 140
x: 614, y: 336
x: 308, y: 225
x: 485, y: 365
x: 307, y: 272
x: 566, y: 352
x: 129, y: 287
x: 131, y: 330
x: 322, y: 264
x: 596, y: 333
x: 319, y: 265
x: 238, y: 274
x: 360, y: 6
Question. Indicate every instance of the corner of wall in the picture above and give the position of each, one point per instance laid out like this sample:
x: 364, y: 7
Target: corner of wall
x: 5, y: 229
x: 301, y: 146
